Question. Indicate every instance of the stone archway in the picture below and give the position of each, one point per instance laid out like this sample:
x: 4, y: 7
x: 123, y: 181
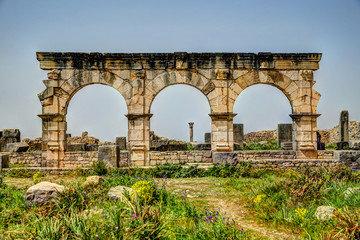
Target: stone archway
x: 139, y: 77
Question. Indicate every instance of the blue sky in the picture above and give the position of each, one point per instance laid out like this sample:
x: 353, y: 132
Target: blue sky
x: 326, y: 26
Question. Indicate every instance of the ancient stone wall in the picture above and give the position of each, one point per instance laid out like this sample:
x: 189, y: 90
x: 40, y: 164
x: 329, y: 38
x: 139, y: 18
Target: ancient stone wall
x: 260, y: 136
x: 332, y: 136
x: 256, y: 155
x: 176, y: 157
x: 31, y: 159
x: 293, y: 164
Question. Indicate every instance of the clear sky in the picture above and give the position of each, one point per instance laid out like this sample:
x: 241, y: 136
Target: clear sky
x: 331, y: 27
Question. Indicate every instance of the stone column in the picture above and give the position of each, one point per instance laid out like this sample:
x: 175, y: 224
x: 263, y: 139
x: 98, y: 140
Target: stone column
x: 222, y: 135
x: 343, y: 130
x: 53, y: 139
x: 191, y: 129
x: 139, y: 138
x: 304, y: 135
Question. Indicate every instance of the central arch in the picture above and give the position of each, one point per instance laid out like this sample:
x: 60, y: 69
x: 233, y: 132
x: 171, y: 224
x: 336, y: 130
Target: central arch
x: 166, y: 79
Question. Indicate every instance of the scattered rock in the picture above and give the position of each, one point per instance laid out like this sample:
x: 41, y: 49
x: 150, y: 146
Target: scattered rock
x: 350, y: 191
x: 324, y: 213
x: 93, y: 180
x: 117, y: 193
x: 42, y: 193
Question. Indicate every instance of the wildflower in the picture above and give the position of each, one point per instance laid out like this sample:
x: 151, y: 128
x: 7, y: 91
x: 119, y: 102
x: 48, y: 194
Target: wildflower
x: 301, y: 212
x: 84, y: 192
x: 121, y: 176
x: 96, y: 235
x: 117, y: 228
x: 134, y: 215
x: 95, y: 207
x: 259, y: 198
x: 24, y: 196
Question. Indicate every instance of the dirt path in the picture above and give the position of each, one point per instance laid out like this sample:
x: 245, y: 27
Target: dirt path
x: 211, y: 193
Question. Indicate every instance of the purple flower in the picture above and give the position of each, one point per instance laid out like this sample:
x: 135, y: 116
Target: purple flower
x: 24, y: 196
x: 120, y: 175
x: 96, y: 235
x: 84, y: 192
x: 117, y: 228
x: 95, y: 207
x: 134, y: 215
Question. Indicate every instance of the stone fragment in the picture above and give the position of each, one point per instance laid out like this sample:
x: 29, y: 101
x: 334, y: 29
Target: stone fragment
x: 172, y: 147
x: 202, y: 146
x: 207, y: 137
x: 284, y: 135
x: 110, y: 155
x: 4, y: 160
x: 93, y: 180
x: 119, y: 193
x: 238, y: 129
x: 17, y: 147
x: 84, y: 134
x: 76, y: 147
x: 42, y: 193
x: 343, y: 131
x: 121, y: 142
x: 230, y: 158
x: 324, y: 213
x: 350, y: 191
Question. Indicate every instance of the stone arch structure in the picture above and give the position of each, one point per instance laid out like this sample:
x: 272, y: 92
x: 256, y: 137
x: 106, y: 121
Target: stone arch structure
x: 139, y: 77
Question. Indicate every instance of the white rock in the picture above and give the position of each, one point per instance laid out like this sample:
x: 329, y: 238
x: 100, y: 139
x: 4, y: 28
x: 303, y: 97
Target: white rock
x: 42, y: 192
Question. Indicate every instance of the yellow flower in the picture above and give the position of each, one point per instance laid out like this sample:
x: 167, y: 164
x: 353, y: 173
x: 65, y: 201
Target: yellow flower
x: 259, y: 198
x: 301, y: 212
x: 144, y: 190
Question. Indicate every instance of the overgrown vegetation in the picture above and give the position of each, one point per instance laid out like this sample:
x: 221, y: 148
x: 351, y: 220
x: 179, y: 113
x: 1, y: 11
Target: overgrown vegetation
x: 277, y: 197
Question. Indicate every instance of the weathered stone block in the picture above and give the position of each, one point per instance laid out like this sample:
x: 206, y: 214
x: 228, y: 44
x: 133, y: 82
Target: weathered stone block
x: 121, y: 142
x: 42, y: 193
x: 11, y: 133
x: 207, y: 137
x: 76, y: 147
x: 202, y: 146
x: 17, y: 147
x: 4, y: 160
x: 238, y: 129
x: 230, y: 158
x: 354, y: 144
x: 284, y: 134
x: 109, y: 154
x: 92, y: 147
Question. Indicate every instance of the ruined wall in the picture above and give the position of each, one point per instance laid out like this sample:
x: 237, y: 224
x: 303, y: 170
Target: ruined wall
x: 176, y: 157
x: 32, y: 159
x: 260, y: 136
x: 294, y: 164
x: 331, y: 136
x: 256, y: 155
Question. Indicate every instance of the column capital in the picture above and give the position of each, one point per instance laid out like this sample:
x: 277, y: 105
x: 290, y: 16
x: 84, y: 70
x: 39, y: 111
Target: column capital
x: 298, y: 116
x: 222, y: 116
x: 51, y: 116
x: 132, y: 116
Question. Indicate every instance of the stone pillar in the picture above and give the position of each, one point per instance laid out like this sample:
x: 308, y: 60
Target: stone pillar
x: 191, y: 129
x: 284, y: 135
x: 239, y: 134
x: 222, y: 132
x: 343, y: 130
x: 304, y: 135
x: 53, y: 139
x: 139, y: 138
x: 207, y: 138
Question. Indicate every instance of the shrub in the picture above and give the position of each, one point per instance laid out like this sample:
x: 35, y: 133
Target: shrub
x: 99, y: 168
x: 37, y: 177
x: 144, y: 190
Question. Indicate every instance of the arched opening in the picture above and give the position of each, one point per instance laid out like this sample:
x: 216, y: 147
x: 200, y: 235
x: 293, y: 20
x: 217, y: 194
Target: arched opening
x: 261, y: 108
x: 177, y: 105
x: 98, y: 109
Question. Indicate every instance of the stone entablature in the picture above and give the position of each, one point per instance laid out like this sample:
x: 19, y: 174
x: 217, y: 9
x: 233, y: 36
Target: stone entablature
x: 139, y: 77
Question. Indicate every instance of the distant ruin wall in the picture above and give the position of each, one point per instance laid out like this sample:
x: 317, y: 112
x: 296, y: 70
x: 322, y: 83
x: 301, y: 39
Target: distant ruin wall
x: 31, y: 159
x: 331, y: 136
x: 260, y: 136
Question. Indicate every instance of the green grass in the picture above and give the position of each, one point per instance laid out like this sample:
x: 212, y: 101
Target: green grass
x: 262, y: 145
x: 278, y: 198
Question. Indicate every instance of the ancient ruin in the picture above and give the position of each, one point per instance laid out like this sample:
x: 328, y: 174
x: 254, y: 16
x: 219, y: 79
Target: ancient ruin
x: 139, y: 77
